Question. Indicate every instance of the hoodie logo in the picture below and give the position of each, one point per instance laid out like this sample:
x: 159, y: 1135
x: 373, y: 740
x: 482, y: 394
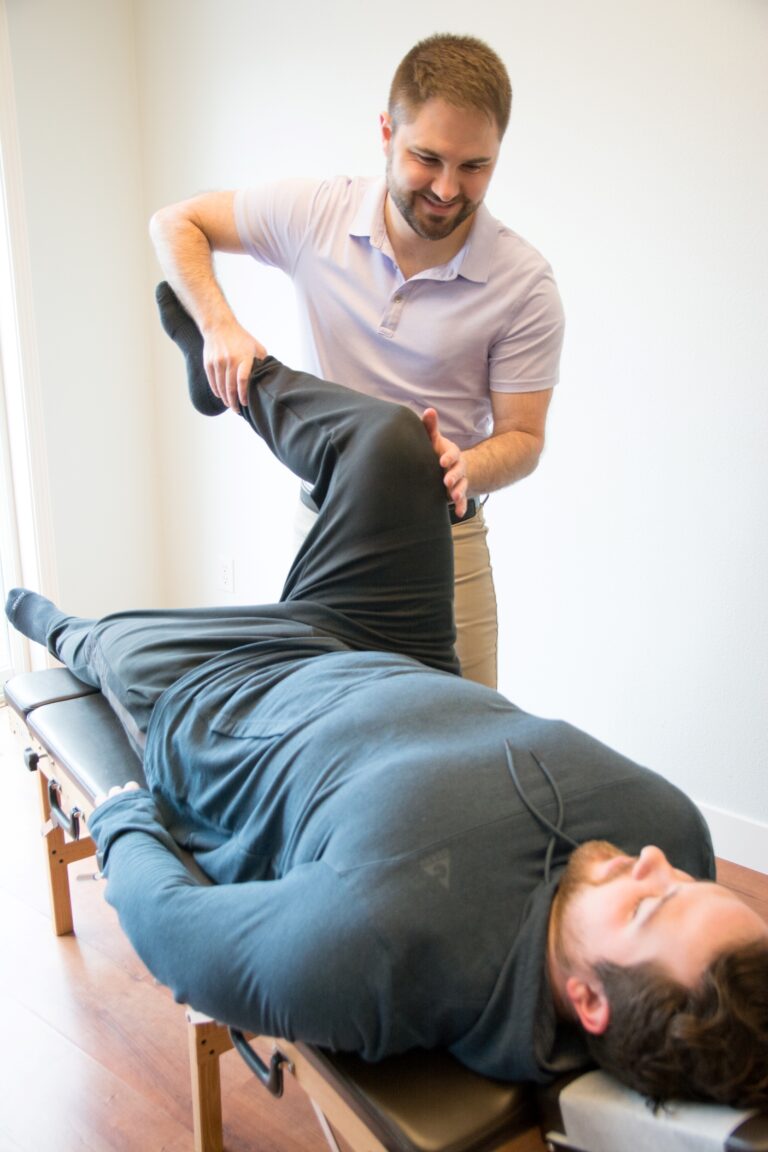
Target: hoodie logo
x: 438, y: 867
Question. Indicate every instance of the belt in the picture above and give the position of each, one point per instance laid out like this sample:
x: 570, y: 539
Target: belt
x: 472, y: 507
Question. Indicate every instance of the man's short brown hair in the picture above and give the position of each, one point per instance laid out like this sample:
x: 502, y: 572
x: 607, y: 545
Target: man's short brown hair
x: 461, y: 70
x: 709, y: 1042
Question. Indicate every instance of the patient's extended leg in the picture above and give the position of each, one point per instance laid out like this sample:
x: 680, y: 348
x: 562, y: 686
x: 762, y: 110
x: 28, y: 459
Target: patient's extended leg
x: 64, y: 636
x: 32, y: 614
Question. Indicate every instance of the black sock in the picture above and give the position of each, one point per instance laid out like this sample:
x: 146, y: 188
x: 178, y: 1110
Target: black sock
x: 31, y: 614
x: 182, y: 329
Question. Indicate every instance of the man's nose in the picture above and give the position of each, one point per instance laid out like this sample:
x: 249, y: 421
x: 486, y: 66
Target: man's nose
x: 445, y: 186
x: 651, y: 861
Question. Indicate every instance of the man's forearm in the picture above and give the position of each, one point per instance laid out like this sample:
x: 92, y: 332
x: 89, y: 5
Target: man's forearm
x: 501, y: 460
x: 186, y: 259
x: 186, y: 235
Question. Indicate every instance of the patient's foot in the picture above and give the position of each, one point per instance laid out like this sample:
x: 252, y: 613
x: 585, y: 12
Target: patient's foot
x: 182, y: 329
x: 31, y: 614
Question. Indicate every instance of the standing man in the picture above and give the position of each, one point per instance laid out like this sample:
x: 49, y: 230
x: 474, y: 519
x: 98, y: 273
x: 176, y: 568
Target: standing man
x: 407, y: 285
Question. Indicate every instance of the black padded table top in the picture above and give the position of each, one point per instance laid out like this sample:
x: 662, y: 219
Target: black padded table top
x: 427, y: 1101
x: 30, y: 690
x: 85, y: 738
x: 76, y: 727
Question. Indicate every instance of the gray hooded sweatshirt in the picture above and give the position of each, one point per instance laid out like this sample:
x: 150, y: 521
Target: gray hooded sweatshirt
x: 375, y: 832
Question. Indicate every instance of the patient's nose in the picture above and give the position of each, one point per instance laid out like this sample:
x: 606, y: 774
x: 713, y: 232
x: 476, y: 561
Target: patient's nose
x: 651, y: 862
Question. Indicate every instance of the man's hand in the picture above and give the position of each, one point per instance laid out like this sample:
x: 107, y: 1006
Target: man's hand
x: 116, y: 790
x: 451, y: 461
x: 228, y: 355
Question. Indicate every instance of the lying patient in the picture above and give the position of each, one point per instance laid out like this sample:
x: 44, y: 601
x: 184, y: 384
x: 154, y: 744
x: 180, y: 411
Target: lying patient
x: 401, y: 857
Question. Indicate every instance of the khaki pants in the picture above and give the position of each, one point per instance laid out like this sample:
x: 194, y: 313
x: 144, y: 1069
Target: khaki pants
x: 475, y: 596
x: 475, y: 601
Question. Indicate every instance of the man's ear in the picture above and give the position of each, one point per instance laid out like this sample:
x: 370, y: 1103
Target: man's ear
x: 590, y: 1004
x: 387, y: 130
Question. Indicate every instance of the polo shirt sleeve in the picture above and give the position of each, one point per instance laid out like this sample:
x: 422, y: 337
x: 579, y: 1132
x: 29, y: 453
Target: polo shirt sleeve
x: 273, y: 220
x: 526, y: 356
x: 292, y: 957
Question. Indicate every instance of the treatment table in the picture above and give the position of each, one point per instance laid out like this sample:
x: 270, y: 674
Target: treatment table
x: 417, y: 1102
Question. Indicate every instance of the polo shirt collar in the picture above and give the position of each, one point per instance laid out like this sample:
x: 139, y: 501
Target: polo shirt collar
x: 472, y: 262
x: 478, y: 250
x: 369, y: 218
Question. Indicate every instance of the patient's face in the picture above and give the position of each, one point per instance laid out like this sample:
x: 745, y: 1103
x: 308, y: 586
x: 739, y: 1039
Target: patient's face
x: 636, y: 909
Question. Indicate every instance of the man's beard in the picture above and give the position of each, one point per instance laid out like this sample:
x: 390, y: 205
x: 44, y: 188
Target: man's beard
x: 578, y: 871
x: 428, y: 228
x: 577, y: 874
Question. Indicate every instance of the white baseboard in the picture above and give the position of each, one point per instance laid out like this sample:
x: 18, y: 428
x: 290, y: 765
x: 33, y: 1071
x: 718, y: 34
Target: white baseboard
x: 737, y: 838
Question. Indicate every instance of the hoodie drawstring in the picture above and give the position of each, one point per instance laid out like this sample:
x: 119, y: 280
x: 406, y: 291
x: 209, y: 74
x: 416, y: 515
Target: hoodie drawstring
x: 555, y: 830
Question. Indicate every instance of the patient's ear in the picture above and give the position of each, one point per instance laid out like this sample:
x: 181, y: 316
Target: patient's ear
x: 590, y: 1004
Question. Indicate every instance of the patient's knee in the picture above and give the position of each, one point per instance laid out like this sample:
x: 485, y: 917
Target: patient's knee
x: 399, y: 447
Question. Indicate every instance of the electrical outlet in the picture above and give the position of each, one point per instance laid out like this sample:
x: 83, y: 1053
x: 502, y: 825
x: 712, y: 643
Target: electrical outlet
x: 226, y: 574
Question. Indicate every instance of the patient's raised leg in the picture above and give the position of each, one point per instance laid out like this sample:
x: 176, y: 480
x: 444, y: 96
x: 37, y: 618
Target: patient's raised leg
x: 182, y: 329
x: 380, y: 553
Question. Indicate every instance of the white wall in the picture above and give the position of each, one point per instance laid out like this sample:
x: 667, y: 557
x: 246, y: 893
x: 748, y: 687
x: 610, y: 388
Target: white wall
x: 632, y: 567
x: 74, y: 77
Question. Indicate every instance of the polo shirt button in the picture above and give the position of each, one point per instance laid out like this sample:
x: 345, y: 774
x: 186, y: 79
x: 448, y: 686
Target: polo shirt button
x: 398, y: 299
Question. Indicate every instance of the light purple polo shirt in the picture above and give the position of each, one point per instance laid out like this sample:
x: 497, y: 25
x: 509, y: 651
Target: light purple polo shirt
x: 490, y: 319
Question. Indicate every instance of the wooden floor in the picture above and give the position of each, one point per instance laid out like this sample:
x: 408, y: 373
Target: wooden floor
x: 94, y: 1052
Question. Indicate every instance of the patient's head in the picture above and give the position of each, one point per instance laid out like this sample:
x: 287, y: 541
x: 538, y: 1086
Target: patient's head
x: 667, y: 975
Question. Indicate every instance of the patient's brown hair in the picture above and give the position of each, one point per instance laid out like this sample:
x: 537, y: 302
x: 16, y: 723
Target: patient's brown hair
x: 461, y: 70
x: 709, y: 1042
